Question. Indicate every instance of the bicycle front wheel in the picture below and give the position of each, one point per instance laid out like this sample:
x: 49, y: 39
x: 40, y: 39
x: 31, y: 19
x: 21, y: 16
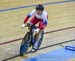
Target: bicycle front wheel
x: 24, y: 44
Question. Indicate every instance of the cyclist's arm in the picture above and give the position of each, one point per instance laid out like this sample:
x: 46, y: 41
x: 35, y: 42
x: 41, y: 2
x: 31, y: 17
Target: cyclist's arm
x: 28, y: 16
x: 43, y: 24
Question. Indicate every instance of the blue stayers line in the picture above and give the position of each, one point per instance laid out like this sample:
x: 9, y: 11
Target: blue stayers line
x: 56, y: 55
x: 20, y: 7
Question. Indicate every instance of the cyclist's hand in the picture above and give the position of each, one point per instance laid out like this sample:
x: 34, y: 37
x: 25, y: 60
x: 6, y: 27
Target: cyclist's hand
x: 23, y: 26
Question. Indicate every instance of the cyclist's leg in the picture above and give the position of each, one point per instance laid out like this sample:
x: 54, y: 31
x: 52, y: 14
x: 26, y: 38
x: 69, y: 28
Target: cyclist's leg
x: 42, y: 25
x: 33, y: 21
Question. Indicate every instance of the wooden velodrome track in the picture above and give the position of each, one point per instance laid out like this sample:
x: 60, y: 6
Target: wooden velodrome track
x: 60, y: 16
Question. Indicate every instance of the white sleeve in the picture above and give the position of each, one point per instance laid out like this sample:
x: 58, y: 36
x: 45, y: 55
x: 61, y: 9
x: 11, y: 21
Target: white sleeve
x: 45, y: 19
x: 32, y: 13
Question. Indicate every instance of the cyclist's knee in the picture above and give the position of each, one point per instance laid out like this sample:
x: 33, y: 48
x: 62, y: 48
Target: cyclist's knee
x: 42, y: 27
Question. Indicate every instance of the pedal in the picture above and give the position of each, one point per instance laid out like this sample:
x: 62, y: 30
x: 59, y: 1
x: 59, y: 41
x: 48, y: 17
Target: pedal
x: 33, y: 50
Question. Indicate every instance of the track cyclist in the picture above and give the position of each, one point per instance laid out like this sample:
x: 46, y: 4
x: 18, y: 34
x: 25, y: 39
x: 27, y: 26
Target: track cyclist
x: 38, y: 16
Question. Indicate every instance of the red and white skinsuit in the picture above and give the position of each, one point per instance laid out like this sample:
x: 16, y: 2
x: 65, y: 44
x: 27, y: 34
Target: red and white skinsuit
x: 41, y: 19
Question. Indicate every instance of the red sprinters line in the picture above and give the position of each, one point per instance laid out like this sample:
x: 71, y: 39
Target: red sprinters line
x: 10, y: 41
x: 59, y: 29
x: 45, y: 33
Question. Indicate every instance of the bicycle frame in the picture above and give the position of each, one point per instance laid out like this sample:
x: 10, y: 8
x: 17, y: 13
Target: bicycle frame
x: 31, y: 34
x: 30, y: 39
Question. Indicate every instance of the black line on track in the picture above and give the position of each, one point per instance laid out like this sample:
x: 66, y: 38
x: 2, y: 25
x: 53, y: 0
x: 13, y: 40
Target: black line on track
x: 41, y: 48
